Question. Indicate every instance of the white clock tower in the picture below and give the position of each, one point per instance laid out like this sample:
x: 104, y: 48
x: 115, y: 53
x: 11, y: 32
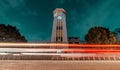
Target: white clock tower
x: 59, y: 31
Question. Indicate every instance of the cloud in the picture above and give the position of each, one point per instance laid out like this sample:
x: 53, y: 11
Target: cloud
x: 89, y: 15
x: 7, y: 5
x: 19, y: 5
x: 60, y: 2
x: 99, y: 14
x: 16, y: 3
x: 37, y: 38
x: 29, y: 13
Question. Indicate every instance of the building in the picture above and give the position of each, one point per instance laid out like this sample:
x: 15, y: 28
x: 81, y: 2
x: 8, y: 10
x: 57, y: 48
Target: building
x: 59, y: 31
x: 74, y: 40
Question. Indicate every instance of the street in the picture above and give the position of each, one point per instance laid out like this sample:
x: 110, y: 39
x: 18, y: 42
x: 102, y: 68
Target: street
x: 58, y: 65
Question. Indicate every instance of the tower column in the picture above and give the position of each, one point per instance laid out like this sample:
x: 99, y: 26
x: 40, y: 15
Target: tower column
x: 59, y: 31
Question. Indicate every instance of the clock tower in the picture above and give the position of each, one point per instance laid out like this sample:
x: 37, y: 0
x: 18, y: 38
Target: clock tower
x: 59, y: 31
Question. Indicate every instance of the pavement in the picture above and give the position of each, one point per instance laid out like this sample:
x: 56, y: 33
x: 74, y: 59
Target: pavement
x: 59, y: 65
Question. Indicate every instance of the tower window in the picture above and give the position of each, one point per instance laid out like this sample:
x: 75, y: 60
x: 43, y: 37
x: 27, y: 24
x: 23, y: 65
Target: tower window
x: 57, y: 27
x: 56, y: 38
x: 61, y: 38
x: 61, y: 27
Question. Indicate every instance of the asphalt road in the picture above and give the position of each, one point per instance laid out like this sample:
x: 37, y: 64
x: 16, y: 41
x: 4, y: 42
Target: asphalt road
x: 58, y: 65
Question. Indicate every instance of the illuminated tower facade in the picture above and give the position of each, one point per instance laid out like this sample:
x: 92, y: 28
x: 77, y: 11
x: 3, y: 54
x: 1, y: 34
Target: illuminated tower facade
x: 59, y: 31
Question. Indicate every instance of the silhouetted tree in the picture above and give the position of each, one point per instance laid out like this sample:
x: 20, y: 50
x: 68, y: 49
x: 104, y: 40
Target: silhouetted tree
x: 100, y: 35
x: 117, y: 33
x: 9, y: 33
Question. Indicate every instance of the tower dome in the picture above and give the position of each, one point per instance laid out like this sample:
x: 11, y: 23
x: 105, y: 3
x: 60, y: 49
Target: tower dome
x: 57, y: 10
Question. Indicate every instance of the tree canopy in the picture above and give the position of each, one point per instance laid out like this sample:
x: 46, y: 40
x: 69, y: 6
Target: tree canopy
x: 9, y: 33
x: 100, y: 35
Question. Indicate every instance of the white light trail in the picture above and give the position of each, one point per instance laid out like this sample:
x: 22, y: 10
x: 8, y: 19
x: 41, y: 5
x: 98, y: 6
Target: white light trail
x: 61, y: 54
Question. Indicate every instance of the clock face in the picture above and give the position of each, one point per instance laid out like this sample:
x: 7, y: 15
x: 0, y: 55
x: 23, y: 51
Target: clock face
x: 59, y: 17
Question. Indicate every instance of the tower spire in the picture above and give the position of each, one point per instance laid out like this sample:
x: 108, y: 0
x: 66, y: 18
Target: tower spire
x: 59, y: 31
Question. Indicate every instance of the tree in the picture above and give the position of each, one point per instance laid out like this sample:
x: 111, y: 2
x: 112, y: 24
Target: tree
x: 100, y: 35
x: 9, y: 33
x: 117, y: 33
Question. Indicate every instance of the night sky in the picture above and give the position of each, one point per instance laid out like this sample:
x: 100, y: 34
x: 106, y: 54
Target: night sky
x: 34, y: 18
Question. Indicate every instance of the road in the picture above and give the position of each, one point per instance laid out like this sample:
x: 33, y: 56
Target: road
x: 58, y: 65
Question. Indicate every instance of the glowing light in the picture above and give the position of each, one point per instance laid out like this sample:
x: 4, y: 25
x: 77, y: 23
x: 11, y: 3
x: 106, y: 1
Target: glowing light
x: 59, y: 17
x: 16, y: 54
x: 41, y: 50
x: 4, y: 53
x: 55, y: 44
x: 62, y: 54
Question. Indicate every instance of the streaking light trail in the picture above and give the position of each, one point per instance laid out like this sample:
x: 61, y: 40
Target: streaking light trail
x: 19, y: 49
x: 29, y: 50
x: 53, y: 50
x: 55, y: 45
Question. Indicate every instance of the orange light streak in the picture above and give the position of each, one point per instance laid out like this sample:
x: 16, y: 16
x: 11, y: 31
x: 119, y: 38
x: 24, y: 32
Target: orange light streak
x: 67, y: 50
x: 56, y: 44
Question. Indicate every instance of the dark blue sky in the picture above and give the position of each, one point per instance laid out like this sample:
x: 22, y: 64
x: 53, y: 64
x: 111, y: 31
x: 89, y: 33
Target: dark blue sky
x: 34, y: 18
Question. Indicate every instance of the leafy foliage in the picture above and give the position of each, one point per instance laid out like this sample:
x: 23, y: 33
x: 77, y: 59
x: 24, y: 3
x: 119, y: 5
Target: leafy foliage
x: 100, y: 35
x: 10, y: 34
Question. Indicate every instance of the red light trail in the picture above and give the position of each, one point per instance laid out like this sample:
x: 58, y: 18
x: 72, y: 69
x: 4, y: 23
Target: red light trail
x: 28, y: 49
x: 63, y: 47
